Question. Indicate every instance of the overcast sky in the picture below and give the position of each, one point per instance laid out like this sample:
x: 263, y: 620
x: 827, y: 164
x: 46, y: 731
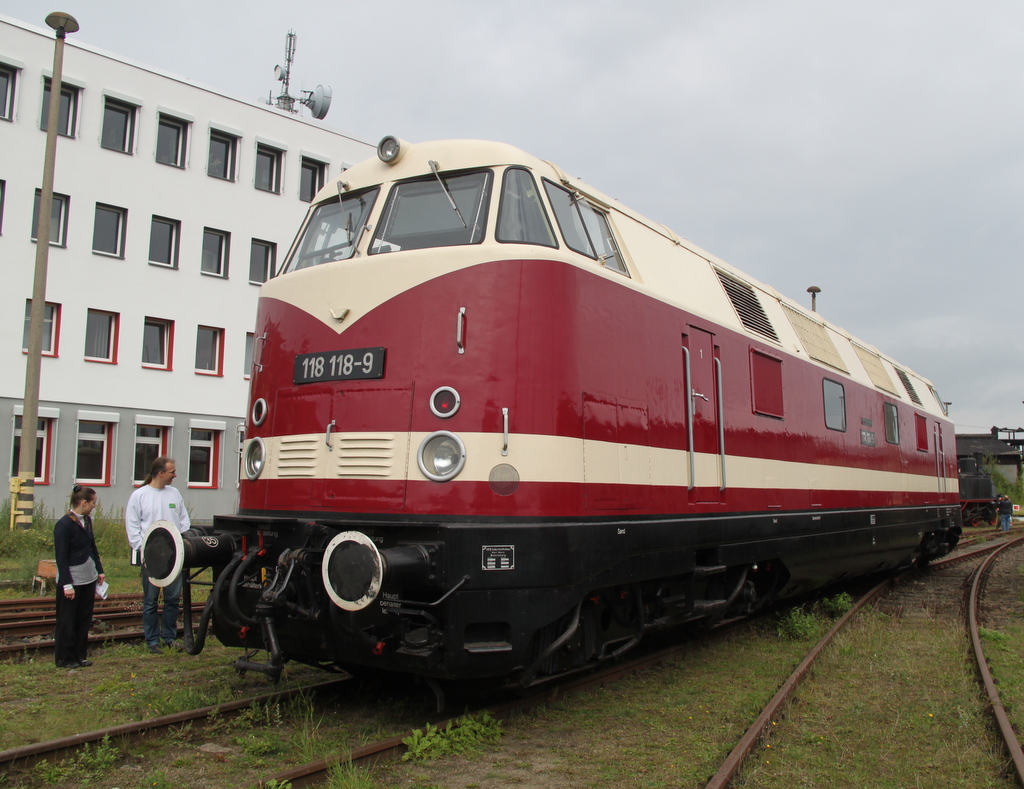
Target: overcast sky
x: 872, y: 148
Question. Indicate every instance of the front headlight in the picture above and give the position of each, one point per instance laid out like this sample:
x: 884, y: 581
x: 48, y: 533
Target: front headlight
x: 255, y: 458
x: 441, y: 456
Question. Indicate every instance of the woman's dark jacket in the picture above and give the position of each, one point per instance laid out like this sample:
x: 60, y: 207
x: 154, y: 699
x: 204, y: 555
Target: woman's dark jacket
x: 73, y: 545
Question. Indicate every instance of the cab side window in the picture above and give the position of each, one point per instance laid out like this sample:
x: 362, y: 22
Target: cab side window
x: 835, y: 405
x: 585, y: 227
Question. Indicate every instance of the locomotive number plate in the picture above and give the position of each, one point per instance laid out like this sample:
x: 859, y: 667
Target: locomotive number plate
x: 352, y: 365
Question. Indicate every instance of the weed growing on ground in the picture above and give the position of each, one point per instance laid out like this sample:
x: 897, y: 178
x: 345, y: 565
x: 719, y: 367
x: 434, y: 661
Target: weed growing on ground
x: 463, y: 735
x: 797, y: 625
x: 92, y: 762
x: 259, y: 715
x: 348, y: 776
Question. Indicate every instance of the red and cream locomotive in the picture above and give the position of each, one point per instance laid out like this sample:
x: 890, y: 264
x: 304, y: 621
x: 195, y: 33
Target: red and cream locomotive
x: 502, y: 426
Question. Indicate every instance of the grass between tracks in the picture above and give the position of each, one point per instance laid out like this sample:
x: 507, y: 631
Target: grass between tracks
x: 126, y: 683
x: 667, y: 727
x: 893, y: 703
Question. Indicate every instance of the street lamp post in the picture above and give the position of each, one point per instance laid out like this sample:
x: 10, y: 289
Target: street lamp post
x: 23, y: 486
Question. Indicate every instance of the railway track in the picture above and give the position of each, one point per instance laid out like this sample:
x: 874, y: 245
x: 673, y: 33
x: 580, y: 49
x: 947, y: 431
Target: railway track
x: 943, y: 590
x: 315, y: 772
x: 26, y: 624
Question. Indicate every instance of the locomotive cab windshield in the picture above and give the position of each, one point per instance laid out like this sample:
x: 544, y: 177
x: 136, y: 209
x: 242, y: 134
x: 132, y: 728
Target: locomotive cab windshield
x: 334, y: 230
x: 441, y: 210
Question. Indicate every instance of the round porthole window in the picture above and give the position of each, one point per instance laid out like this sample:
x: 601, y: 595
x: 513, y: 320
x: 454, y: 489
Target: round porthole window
x: 259, y: 412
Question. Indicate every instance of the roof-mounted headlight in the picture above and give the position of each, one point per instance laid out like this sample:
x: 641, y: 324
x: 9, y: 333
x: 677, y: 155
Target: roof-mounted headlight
x: 391, y: 149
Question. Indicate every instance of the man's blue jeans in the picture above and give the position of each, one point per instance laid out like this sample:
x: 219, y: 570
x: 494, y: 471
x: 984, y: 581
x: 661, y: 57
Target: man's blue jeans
x: 1006, y: 522
x: 160, y: 628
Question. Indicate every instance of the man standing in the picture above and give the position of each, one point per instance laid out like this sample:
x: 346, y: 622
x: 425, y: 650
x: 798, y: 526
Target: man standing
x: 1005, y: 511
x: 157, y: 500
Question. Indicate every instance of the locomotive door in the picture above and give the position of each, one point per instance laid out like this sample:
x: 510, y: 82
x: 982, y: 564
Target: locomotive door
x: 704, y: 435
x: 365, y: 467
x: 940, y: 457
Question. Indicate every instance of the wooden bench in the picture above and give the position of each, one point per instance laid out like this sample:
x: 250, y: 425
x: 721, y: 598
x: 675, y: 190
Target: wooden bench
x: 46, y: 570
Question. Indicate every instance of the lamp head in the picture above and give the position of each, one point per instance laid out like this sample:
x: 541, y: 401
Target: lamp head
x: 62, y: 23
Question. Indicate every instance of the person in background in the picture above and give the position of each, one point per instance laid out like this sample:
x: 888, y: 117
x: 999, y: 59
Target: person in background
x: 1005, y: 507
x: 78, y: 570
x: 157, y: 500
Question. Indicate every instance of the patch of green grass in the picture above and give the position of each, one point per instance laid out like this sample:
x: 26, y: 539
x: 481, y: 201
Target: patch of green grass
x: 348, y: 776
x: 90, y: 763
x: 1004, y: 650
x: 892, y: 704
x: 467, y: 734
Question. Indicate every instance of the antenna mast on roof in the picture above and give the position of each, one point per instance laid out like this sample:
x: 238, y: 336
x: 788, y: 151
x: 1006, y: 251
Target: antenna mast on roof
x: 318, y: 101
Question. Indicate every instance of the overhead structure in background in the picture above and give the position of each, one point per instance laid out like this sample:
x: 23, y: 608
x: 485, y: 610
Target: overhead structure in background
x: 318, y: 100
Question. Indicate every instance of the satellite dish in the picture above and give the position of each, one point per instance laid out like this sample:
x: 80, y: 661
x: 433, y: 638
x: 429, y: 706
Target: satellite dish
x: 319, y: 101
x: 279, y: 73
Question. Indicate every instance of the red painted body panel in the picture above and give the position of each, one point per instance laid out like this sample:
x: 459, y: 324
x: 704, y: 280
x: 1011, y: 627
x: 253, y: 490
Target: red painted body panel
x: 553, y: 342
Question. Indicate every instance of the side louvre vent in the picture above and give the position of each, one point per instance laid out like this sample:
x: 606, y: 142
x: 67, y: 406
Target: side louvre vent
x: 748, y: 308
x: 365, y: 455
x: 297, y: 457
x: 876, y: 371
x: 905, y: 379
x: 815, y: 338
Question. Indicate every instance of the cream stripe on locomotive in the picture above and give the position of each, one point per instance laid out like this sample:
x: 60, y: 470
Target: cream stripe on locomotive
x: 541, y: 458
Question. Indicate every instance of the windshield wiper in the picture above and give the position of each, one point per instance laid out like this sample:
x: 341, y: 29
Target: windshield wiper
x: 433, y: 169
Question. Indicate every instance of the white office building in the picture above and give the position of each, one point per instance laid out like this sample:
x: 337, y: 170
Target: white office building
x: 172, y: 203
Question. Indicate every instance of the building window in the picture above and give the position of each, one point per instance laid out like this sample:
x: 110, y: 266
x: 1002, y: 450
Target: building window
x: 44, y: 442
x: 262, y: 258
x: 58, y: 218
x: 892, y: 423
x: 171, y: 141
x: 118, y: 125
x: 67, y: 114
x: 163, y: 241
x: 150, y: 443
x: 250, y: 341
x: 311, y: 178
x: 268, y: 168
x: 51, y: 327
x: 108, y: 230
x: 222, y: 156
x: 101, y: 330
x: 8, y: 79
x: 157, y: 343
x: 216, y: 248
x: 203, y: 458
x: 209, y: 351
x: 94, y: 452
x: 835, y: 405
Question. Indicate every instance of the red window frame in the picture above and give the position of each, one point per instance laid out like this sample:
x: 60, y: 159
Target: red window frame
x: 107, y: 460
x: 115, y: 336
x: 219, y: 353
x: 168, y: 343
x: 54, y: 328
x: 45, y: 462
x: 214, y: 444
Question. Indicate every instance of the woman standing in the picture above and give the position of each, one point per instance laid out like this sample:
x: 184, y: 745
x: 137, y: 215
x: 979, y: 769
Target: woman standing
x: 78, y: 570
